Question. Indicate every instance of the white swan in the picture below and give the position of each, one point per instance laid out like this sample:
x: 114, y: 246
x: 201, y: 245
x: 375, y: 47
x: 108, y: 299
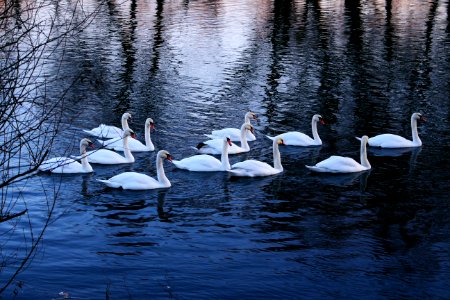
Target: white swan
x: 215, y: 146
x: 339, y: 164
x: 108, y: 131
x: 235, y: 133
x: 295, y: 138
x: 206, y: 163
x: 254, y: 168
x: 133, y: 144
x: 68, y: 165
x: 388, y: 140
x: 138, y: 181
x: 108, y: 157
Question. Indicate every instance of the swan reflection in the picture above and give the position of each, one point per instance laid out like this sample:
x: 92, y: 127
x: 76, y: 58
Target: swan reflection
x: 346, y: 179
x: 163, y: 215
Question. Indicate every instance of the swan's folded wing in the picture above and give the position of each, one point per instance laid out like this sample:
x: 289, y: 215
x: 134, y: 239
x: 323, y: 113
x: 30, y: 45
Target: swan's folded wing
x: 233, y: 133
x: 388, y: 140
x: 296, y: 138
x: 53, y: 163
x: 252, y: 168
x: 339, y: 164
x: 199, y: 163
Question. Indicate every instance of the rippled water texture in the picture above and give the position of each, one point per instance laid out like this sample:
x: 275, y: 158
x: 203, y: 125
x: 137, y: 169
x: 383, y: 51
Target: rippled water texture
x: 195, y: 66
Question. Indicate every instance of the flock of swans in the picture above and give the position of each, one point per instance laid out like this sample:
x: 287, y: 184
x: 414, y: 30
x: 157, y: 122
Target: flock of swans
x: 221, y: 143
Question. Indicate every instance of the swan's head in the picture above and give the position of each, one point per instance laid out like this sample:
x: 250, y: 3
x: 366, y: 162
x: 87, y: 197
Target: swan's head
x: 86, y: 143
x: 418, y: 117
x: 126, y: 116
x: 149, y: 123
x: 318, y: 118
x: 228, y: 140
x: 251, y: 115
x: 280, y: 141
x: 364, y: 139
x: 249, y: 128
x: 165, y: 154
x: 129, y: 132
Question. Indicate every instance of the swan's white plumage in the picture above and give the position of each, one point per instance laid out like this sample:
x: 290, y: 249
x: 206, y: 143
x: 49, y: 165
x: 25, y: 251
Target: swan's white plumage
x: 138, y: 181
x: 132, y: 181
x: 235, y: 133
x: 108, y: 131
x: 214, y: 146
x: 337, y: 164
x: 340, y: 164
x: 206, y: 163
x: 108, y: 157
x: 133, y: 144
x: 255, y: 168
x: 199, y: 163
x: 388, y: 140
x: 296, y: 138
x: 68, y: 165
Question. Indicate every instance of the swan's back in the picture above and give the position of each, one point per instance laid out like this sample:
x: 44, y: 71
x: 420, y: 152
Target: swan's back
x: 233, y: 133
x: 105, y: 131
x: 199, y: 163
x: 61, y: 165
x: 296, y: 138
x: 117, y: 144
x: 337, y: 164
x: 214, y: 146
x: 107, y: 157
x: 388, y: 140
x: 253, y: 168
x: 132, y: 181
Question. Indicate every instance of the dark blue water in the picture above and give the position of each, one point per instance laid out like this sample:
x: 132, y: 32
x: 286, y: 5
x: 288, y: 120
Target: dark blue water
x: 195, y: 66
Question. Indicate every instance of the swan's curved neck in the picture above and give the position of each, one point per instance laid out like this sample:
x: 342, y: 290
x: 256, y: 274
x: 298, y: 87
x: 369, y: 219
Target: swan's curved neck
x: 314, y: 132
x: 276, y: 156
x: 247, y: 119
x: 162, y: 179
x: 126, y: 150
x: 125, y: 124
x: 363, y: 155
x: 415, y: 134
x: 148, y: 139
x: 84, y: 161
x: 244, y: 143
x: 224, y: 158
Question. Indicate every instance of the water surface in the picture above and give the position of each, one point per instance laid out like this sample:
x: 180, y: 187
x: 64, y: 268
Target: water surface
x: 195, y: 66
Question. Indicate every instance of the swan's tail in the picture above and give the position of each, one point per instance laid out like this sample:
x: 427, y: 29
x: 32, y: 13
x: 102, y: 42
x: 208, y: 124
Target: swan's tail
x: 109, y: 183
x: 211, y: 136
x: 312, y: 168
x: 102, y: 142
x: 76, y: 157
x: 315, y: 168
x: 358, y: 138
x: 270, y: 137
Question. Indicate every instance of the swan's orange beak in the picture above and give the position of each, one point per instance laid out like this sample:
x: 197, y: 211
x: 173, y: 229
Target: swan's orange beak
x: 322, y: 121
x: 423, y: 119
x: 169, y: 157
x: 252, y: 130
x: 133, y: 135
x: 281, y: 141
x: 91, y: 145
x: 152, y: 126
x: 229, y: 142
